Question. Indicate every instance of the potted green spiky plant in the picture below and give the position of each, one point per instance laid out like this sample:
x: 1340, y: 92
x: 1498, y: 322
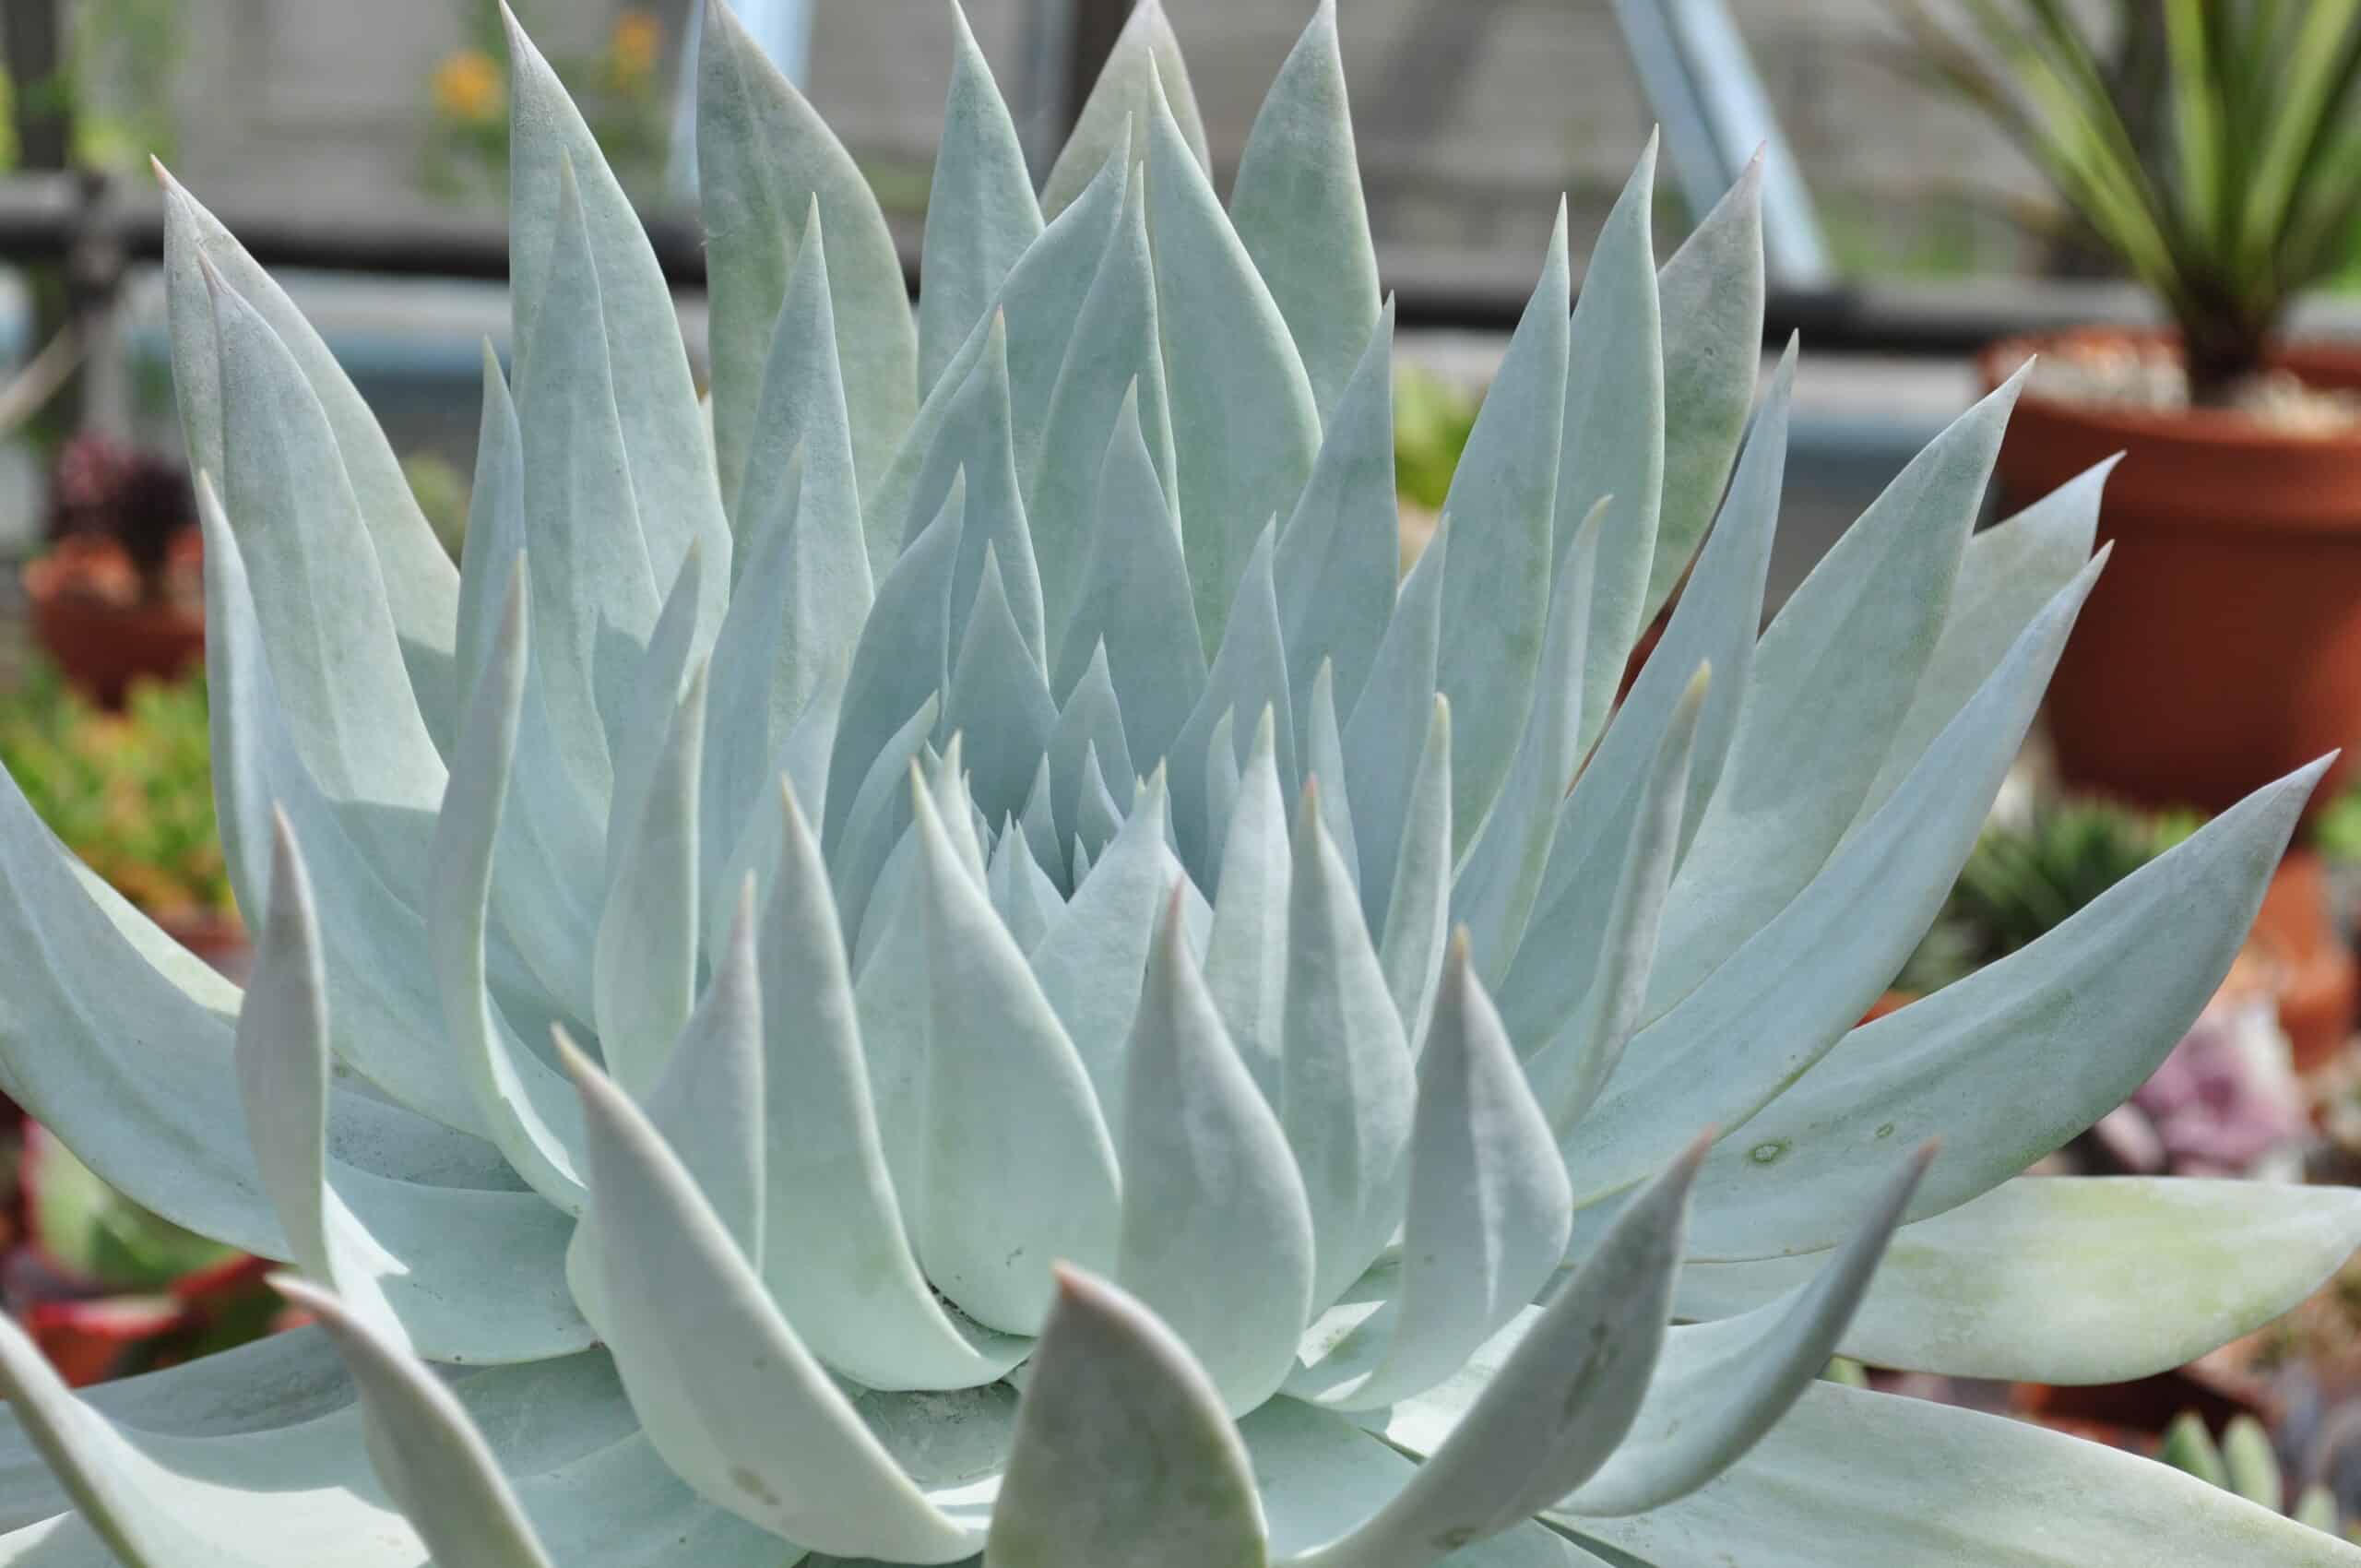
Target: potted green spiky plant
x: 2219, y: 158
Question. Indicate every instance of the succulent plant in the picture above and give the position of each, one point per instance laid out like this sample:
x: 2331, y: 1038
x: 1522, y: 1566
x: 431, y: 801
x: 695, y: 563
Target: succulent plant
x: 2244, y: 1462
x: 1022, y: 1132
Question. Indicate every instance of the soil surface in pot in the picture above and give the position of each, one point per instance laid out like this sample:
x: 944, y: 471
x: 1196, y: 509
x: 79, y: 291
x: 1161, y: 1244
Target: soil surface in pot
x: 2147, y: 374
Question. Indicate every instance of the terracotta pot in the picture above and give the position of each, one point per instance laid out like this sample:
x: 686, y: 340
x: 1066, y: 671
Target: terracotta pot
x: 102, y: 641
x: 2313, y: 975
x: 2222, y: 647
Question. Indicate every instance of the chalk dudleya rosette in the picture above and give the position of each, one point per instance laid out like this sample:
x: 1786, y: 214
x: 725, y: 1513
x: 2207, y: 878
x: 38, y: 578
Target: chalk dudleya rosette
x: 939, y: 961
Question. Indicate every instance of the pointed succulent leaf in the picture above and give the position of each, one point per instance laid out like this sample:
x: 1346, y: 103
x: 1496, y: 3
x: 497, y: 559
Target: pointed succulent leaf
x: 1417, y: 913
x: 765, y: 160
x: 1323, y: 751
x: 1091, y: 723
x: 980, y: 211
x: 998, y: 699
x: 1387, y: 731
x: 656, y: 687
x: 1248, y: 676
x: 1091, y: 960
x: 1144, y: 65
x: 1246, y: 956
x: 644, y: 977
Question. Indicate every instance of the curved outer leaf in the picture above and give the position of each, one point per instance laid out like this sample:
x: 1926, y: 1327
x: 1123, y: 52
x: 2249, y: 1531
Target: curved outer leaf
x: 1496, y: 587
x: 1720, y: 1386
x: 980, y: 210
x: 1091, y: 725
x: 1246, y: 954
x: 1347, y: 1082
x: 1487, y: 1215
x: 2053, y: 1037
x: 1217, y: 1232
x: 1340, y: 551
x: 1613, y: 444
x: 707, y: 1103
x: 1244, y: 427
x: 1851, y: 1476
x: 1714, y: 624
x: 1799, y: 765
x: 644, y: 978
x: 431, y: 1459
x: 1144, y: 65
x: 1123, y: 1453
x: 879, y: 818
x: 1133, y: 599
x: 1114, y: 362
x: 331, y: 638
x: 422, y: 589
x: 765, y: 159
x: 1417, y: 914
x: 999, y: 700
x: 1711, y: 297
x: 1092, y: 961
x: 1763, y: 1019
x: 1385, y: 736
x: 525, y: 1108
x: 1298, y: 207
x: 2075, y: 1280
x: 836, y: 1256
x: 1019, y: 1170
x: 667, y: 451
x: 1551, y: 1408
x: 723, y: 1387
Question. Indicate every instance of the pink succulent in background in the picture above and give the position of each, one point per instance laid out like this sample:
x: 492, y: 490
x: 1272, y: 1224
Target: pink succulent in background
x: 2221, y: 1104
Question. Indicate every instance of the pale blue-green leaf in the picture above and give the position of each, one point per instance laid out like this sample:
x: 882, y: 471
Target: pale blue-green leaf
x: 981, y: 214
x: 1340, y: 552
x: 1319, y: 1475
x: 428, y: 1455
x: 999, y: 701
x: 1322, y: 750
x: 1123, y: 1453
x: 707, y: 1101
x: 1038, y: 821
x: 1716, y: 622
x: 765, y: 160
x: 902, y: 659
x: 1019, y: 1171
x: 1487, y: 1213
x: 1244, y: 426
x: 1553, y: 1406
x: 1113, y: 371
x: 595, y: 593
x: 1217, y: 1232
x: 1763, y: 1019
x: 1855, y: 1476
x: 950, y: 780
x: 283, y: 1065
x: 1496, y: 587
x: 644, y: 975
x: 1573, y: 1067
x: 1799, y: 765
x: 974, y: 443
x: 2074, y: 1279
x: 549, y: 857
x: 2018, y: 1058
x: 1710, y: 296
x: 1028, y: 900
x: 1249, y: 674
x: 1721, y: 1385
x: 1143, y: 67
x: 1038, y: 304
x: 312, y: 570
x: 1133, y: 599
x: 1613, y: 448
x: 1246, y: 953
x: 880, y: 817
x: 1090, y: 962
x: 658, y: 685
x: 1223, y: 777
x: 422, y: 589
x: 526, y: 1107
x: 836, y: 1256
x: 1417, y: 913
x: 554, y: 164
x: 1092, y: 724
x: 723, y: 1387
x: 1298, y: 206
x: 1098, y: 819
x: 1347, y: 1087
x: 1493, y: 893
x: 1387, y: 733
x: 2008, y: 573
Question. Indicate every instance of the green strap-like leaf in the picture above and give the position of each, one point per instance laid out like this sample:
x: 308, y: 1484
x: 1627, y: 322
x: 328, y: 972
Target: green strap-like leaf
x: 1298, y: 206
x: 1123, y: 1454
x: 765, y: 157
x: 981, y: 214
x: 1144, y: 64
x: 1496, y: 592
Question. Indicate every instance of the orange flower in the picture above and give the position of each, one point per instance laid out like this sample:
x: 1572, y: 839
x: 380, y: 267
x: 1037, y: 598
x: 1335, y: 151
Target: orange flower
x: 468, y: 87
x: 639, y: 39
